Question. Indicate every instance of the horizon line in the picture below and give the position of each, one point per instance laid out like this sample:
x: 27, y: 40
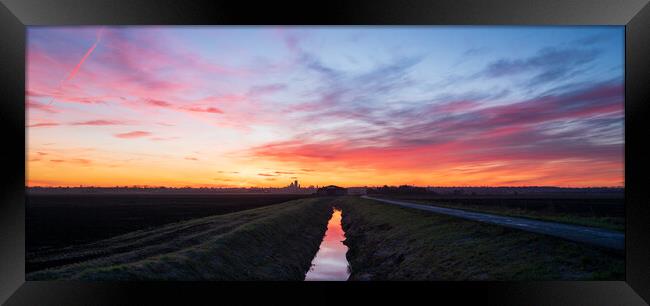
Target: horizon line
x: 314, y: 186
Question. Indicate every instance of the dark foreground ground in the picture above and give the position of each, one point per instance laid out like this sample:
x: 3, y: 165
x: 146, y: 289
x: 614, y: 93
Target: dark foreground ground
x: 54, y: 221
x: 395, y: 243
x: 270, y: 243
x: 278, y: 242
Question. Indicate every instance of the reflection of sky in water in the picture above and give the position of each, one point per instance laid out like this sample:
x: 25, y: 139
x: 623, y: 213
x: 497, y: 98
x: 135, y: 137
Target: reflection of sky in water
x: 330, y: 263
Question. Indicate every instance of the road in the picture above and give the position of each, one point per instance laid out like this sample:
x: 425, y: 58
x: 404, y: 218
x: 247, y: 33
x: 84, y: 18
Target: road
x: 590, y: 235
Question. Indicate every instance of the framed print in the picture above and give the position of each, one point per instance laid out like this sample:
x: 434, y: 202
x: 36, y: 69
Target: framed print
x: 167, y: 152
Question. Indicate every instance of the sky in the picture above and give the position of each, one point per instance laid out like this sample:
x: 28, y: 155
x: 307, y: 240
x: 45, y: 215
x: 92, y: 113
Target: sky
x: 353, y: 106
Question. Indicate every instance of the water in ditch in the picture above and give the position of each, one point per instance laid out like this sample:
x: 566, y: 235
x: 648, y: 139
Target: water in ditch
x: 330, y: 263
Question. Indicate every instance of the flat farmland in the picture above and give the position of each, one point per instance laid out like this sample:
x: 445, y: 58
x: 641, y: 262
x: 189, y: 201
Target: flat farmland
x: 62, y: 220
x: 597, y: 210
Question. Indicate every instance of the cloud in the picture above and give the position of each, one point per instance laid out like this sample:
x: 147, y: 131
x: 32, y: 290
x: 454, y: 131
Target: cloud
x: 455, y: 106
x: 98, y: 122
x: 134, y: 134
x: 43, y: 124
x: 76, y: 68
x: 212, y: 110
x: 81, y: 161
x: 41, y: 107
x: 306, y: 110
x: 126, y: 63
x: 592, y: 39
x: 583, y: 124
x: 266, y: 174
x: 81, y: 99
x: 158, y: 103
x: 266, y: 89
x: 475, y: 51
x: 548, y: 64
x: 191, y: 158
x: 359, y: 97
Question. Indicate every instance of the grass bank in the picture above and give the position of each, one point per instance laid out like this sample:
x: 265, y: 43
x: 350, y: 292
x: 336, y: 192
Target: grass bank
x: 548, y: 213
x: 395, y: 243
x: 270, y: 243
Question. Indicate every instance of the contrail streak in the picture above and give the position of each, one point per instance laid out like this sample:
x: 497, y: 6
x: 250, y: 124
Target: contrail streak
x: 83, y: 59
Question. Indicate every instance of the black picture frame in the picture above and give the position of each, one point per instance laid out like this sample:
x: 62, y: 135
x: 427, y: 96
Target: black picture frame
x: 15, y: 15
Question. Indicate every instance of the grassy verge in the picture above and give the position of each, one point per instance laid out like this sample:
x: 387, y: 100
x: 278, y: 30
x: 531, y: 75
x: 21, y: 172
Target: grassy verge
x: 613, y: 223
x: 270, y: 243
x: 394, y: 243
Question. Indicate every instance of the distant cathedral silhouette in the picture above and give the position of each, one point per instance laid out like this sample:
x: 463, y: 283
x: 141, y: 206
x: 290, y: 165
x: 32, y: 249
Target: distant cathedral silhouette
x: 294, y: 185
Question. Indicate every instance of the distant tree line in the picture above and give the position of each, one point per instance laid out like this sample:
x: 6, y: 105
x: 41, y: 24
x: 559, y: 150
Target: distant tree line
x: 402, y: 189
x: 484, y: 190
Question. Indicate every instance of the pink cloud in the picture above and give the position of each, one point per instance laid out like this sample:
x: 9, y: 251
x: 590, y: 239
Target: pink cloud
x: 517, y: 139
x: 134, y: 134
x: 132, y: 70
x: 142, y: 72
x: 42, y: 107
x: 63, y: 94
x: 31, y: 93
x: 159, y: 103
x: 224, y: 99
x: 98, y: 122
x: 212, y: 110
x: 44, y: 124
